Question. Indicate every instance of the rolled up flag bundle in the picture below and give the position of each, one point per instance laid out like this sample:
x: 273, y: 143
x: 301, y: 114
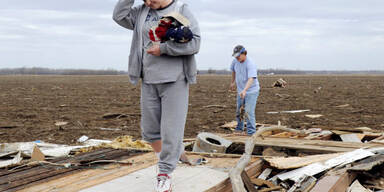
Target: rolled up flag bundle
x: 173, y: 27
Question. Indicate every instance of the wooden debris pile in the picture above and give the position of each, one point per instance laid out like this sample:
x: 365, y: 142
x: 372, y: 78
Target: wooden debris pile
x: 276, y: 158
x: 354, y: 162
x: 28, y: 163
x: 316, y: 159
x: 28, y: 173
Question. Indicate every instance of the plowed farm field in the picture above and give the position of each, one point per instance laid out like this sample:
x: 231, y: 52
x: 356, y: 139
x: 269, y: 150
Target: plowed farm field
x: 105, y: 107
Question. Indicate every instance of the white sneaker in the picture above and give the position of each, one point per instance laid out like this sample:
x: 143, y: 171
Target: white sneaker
x: 163, y: 183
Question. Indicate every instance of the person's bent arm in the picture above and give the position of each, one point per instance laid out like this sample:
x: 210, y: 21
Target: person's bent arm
x: 233, y: 83
x: 124, y: 14
x: 249, y: 83
x: 247, y: 86
x: 190, y: 48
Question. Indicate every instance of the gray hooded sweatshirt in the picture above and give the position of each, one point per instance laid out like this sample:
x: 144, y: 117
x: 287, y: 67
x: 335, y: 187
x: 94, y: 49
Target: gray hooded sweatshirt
x: 133, y: 18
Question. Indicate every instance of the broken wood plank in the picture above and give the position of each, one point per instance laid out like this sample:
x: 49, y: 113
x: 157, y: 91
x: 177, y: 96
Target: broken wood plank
x: 230, y: 125
x: 8, y: 154
x: 221, y: 155
x: 283, y: 135
x: 270, y: 152
x: 13, y: 161
x: 337, y: 132
x: 342, y: 106
x: 247, y: 182
x: 235, y: 173
x: 297, y: 162
x: 334, y: 183
x: 368, y: 164
x: 316, y: 168
x: 265, y: 174
x: 252, y: 170
x: 315, y: 146
x: 113, y: 115
x: 314, y: 116
x: 261, y: 182
x: 323, y: 135
x: 378, y: 140
x: 214, y: 106
x: 348, y: 129
x: 350, y: 138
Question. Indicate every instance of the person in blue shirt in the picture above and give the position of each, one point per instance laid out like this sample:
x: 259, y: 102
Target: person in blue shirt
x: 244, y: 77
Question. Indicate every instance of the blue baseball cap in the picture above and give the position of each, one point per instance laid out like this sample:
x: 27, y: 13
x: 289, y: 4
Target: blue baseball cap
x: 238, y: 50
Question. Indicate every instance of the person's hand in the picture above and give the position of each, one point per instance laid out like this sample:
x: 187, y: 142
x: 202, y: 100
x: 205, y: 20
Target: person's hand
x: 243, y: 94
x: 146, y: 2
x: 233, y: 86
x: 154, y: 50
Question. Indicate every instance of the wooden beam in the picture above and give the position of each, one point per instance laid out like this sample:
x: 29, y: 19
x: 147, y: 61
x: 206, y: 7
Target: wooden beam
x: 355, y: 130
x: 335, y: 183
x: 252, y: 170
x: 297, y: 162
x: 247, y: 182
x: 223, y: 155
x: 314, y: 146
x: 235, y: 173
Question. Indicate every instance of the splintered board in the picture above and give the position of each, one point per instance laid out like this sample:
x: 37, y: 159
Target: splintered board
x: 35, y: 174
x: 302, y: 145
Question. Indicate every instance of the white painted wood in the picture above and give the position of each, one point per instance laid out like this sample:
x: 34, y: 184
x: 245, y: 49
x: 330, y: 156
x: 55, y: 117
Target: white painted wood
x: 350, y: 138
x: 265, y: 174
x: 13, y: 161
x: 319, y: 167
x: 184, y: 179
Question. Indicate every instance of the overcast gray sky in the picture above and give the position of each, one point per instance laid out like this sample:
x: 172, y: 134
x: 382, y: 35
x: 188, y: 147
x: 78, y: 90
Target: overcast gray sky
x: 284, y: 34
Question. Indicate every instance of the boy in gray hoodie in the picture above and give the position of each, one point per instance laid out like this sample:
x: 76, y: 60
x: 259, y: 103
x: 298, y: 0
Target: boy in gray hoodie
x: 166, y: 69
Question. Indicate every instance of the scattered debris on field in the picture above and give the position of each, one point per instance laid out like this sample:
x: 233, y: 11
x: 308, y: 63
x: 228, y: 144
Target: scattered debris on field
x: 315, y: 116
x: 289, y: 160
x: 280, y: 83
x: 293, y: 111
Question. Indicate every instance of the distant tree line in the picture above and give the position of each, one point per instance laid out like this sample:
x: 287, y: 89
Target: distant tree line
x: 288, y: 72
x: 47, y: 71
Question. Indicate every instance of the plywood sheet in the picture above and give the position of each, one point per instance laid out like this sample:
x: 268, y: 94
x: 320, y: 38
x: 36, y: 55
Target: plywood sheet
x: 185, y: 178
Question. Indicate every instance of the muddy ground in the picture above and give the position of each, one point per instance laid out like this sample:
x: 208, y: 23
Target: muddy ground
x: 31, y: 105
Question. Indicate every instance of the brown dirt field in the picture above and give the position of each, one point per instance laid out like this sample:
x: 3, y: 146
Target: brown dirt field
x: 31, y: 105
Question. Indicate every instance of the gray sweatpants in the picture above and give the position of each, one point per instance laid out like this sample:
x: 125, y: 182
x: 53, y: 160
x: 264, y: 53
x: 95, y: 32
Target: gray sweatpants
x: 164, y: 110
